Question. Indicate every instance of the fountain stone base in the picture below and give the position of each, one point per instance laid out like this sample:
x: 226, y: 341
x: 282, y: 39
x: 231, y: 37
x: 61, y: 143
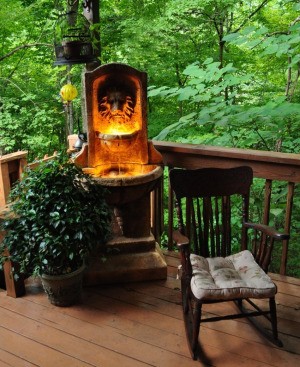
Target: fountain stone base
x: 127, y: 267
x: 119, y: 156
x: 132, y: 254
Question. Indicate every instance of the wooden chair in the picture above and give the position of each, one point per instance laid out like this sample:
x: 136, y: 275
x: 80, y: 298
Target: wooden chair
x: 210, y: 271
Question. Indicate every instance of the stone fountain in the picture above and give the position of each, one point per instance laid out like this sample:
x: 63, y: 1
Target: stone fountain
x: 119, y: 156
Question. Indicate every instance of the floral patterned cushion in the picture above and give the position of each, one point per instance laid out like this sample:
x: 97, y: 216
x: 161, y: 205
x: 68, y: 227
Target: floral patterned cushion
x: 230, y: 277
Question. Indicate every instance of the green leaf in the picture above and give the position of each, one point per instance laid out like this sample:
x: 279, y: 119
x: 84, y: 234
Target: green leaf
x: 296, y: 6
x: 247, y: 30
x: 282, y: 49
x: 209, y: 60
x: 78, y: 235
x: 231, y: 36
x: 296, y: 26
x: 295, y: 39
x: 272, y: 49
x: 156, y: 91
x: 261, y: 31
x: 295, y: 60
x: 194, y: 71
x: 253, y: 43
x: 276, y: 212
x: 163, y: 134
x: 186, y: 93
x: 187, y: 118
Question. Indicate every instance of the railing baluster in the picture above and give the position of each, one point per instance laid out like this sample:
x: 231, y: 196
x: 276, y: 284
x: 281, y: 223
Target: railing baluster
x: 157, y: 214
x: 170, y: 215
x: 287, y: 226
x: 267, y: 201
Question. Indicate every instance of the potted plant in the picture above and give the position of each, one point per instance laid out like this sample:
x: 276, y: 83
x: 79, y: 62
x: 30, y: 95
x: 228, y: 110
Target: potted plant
x: 60, y: 216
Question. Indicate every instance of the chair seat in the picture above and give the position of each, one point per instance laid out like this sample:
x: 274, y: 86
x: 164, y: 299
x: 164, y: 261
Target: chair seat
x: 231, y: 277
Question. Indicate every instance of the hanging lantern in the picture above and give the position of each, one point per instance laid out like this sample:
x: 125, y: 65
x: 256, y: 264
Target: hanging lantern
x: 73, y: 40
x: 68, y: 92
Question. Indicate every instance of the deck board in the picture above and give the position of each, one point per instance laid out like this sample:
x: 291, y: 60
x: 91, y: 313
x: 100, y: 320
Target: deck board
x: 138, y: 324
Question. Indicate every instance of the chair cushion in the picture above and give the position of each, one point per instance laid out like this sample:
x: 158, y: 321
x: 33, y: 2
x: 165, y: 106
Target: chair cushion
x: 235, y: 276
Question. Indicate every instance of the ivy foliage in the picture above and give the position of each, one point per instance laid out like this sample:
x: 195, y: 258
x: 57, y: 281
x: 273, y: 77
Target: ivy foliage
x: 58, y: 217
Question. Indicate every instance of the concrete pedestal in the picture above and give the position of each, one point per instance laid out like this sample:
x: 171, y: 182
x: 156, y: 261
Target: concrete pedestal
x: 127, y: 267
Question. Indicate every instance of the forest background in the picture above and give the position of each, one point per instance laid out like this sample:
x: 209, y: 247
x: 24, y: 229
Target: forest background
x: 220, y: 72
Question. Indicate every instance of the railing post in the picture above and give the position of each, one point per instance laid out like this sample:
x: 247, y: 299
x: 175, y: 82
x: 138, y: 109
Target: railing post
x: 11, y: 169
x: 14, y: 288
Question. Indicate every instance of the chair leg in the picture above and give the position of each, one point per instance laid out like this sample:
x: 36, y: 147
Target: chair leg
x: 273, y: 315
x: 191, y: 322
x: 272, y: 318
x: 184, y: 295
x: 196, y: 329
x: 239, y: 304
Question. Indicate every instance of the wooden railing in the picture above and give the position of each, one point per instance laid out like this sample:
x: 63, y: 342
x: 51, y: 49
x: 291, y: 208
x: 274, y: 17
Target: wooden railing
x: 11, y: 168
x: 271, y: 166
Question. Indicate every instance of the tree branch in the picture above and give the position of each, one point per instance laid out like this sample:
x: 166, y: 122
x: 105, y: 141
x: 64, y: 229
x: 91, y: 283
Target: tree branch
x: 295, y: 21
x: 251, y: 15
x: 24, y: 46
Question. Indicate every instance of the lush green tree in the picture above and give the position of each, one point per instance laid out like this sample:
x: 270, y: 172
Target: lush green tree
x: 231, y: 64
x: 31, y: 113
x: 248, y: 83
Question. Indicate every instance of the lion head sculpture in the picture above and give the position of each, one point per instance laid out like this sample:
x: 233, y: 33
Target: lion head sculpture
x: 116, y: 102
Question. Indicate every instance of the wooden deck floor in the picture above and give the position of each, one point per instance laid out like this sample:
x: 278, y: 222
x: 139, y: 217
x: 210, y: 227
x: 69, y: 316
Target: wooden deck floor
x: 138, y: 324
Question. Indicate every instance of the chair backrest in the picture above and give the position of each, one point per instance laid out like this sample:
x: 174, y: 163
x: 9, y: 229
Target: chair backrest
x: 208, y: 195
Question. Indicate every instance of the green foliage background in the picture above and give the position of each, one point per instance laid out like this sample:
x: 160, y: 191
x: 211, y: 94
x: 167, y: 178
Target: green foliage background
x: 220, y: 72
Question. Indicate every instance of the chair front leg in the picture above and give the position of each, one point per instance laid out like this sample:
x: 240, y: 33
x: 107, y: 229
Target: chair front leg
x: 273, y: 315
x: 196, y: 329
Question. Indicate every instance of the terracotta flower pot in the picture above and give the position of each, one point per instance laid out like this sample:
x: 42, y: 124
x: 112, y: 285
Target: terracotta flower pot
x: 64, y: 290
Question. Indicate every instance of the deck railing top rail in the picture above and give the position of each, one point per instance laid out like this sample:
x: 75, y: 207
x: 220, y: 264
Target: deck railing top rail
x: 265, y: 164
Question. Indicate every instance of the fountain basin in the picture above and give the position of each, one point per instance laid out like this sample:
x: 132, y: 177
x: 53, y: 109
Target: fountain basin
x: 117, y: 142
x: 126, y: 182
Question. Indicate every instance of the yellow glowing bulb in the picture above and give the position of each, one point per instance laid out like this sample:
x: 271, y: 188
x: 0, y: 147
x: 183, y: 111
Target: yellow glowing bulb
x: 68, y: 92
